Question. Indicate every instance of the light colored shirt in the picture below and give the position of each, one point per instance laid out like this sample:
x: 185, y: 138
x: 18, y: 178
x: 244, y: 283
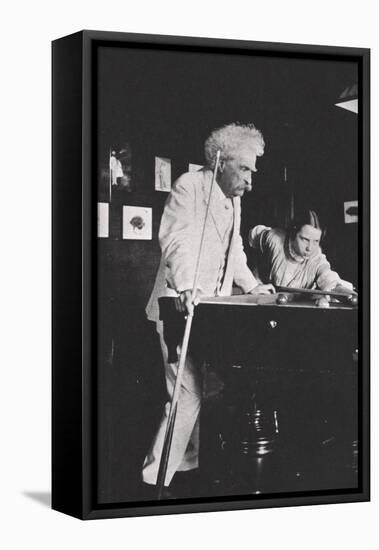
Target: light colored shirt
x: 223, y: 212
x: 223, y: 209
x: 277, y: 263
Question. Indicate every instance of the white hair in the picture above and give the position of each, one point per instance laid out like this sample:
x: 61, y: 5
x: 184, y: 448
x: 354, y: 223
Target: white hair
x: 230, y: 139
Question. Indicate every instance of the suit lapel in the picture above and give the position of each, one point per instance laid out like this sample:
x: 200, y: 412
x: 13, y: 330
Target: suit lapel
x: 213, y: 209
x: 236, y: 215
x: 227, y: 284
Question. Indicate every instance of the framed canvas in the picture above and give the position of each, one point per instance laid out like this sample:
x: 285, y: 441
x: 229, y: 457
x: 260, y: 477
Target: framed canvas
x: 263, y: 151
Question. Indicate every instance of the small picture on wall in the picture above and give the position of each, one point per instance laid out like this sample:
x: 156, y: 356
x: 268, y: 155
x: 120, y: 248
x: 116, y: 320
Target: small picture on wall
x: 114, y: 169
x: 194, y: 167
x: 102, y: 219
x: 351, y: 211
x: 162, y: 174
x: 120, y: 167
x: 136, y: 223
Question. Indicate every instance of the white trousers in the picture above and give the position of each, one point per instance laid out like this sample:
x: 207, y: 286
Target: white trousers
x: 184, y: 454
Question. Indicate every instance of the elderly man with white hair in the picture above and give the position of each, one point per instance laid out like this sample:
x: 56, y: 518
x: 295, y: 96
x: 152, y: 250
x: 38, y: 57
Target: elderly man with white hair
x: 223, y: 263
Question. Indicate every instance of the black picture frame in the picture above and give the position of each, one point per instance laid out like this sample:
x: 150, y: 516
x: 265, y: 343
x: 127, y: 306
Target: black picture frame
x: 75, y: 279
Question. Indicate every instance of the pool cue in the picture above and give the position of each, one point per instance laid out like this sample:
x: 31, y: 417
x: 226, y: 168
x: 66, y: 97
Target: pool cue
x: 110, y: 176
x: 332, y: 293
x: 183, y: 354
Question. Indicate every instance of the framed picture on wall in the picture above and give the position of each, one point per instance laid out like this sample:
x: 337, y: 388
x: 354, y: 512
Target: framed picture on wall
x: 102, y: 219
x: 136, y: 223
x: 216, y: 357
x: 162, y: 174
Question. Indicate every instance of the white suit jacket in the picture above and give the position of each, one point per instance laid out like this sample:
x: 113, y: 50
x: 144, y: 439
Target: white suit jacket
x: 179, y: 236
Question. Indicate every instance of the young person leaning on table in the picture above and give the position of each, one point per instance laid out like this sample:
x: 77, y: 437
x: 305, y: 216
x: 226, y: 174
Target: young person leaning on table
x: 293, y: 257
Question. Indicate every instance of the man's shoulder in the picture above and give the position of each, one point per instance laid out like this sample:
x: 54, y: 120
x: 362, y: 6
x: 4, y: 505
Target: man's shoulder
x: 189, y: 180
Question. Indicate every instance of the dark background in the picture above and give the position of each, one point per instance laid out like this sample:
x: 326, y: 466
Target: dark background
x: 165, y: 103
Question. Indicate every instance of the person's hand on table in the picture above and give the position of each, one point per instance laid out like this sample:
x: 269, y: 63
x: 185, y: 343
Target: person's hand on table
x: 350, y: 294
x: 344, y: 290
x: 263, y: 289
x: 185, y: 304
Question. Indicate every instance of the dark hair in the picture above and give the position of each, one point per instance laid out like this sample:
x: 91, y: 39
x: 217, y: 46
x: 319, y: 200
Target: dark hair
x: 301, y: 218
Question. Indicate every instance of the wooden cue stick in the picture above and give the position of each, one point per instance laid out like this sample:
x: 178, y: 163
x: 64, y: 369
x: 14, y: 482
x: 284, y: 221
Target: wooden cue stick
x: 162, y: 471
x: 316, y: 291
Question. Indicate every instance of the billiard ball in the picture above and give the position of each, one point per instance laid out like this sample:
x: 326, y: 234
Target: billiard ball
x: 281, y: 299
x: 353, y: 300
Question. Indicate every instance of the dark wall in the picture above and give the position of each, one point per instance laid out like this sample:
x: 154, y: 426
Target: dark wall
x: 165, y: 103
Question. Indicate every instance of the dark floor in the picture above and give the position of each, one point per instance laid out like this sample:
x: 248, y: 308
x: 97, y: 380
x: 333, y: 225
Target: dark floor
x: 274, y: 442
x: 262, y: 430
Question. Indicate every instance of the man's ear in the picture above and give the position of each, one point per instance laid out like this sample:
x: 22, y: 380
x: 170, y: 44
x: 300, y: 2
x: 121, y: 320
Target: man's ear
x: 221, y: 165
